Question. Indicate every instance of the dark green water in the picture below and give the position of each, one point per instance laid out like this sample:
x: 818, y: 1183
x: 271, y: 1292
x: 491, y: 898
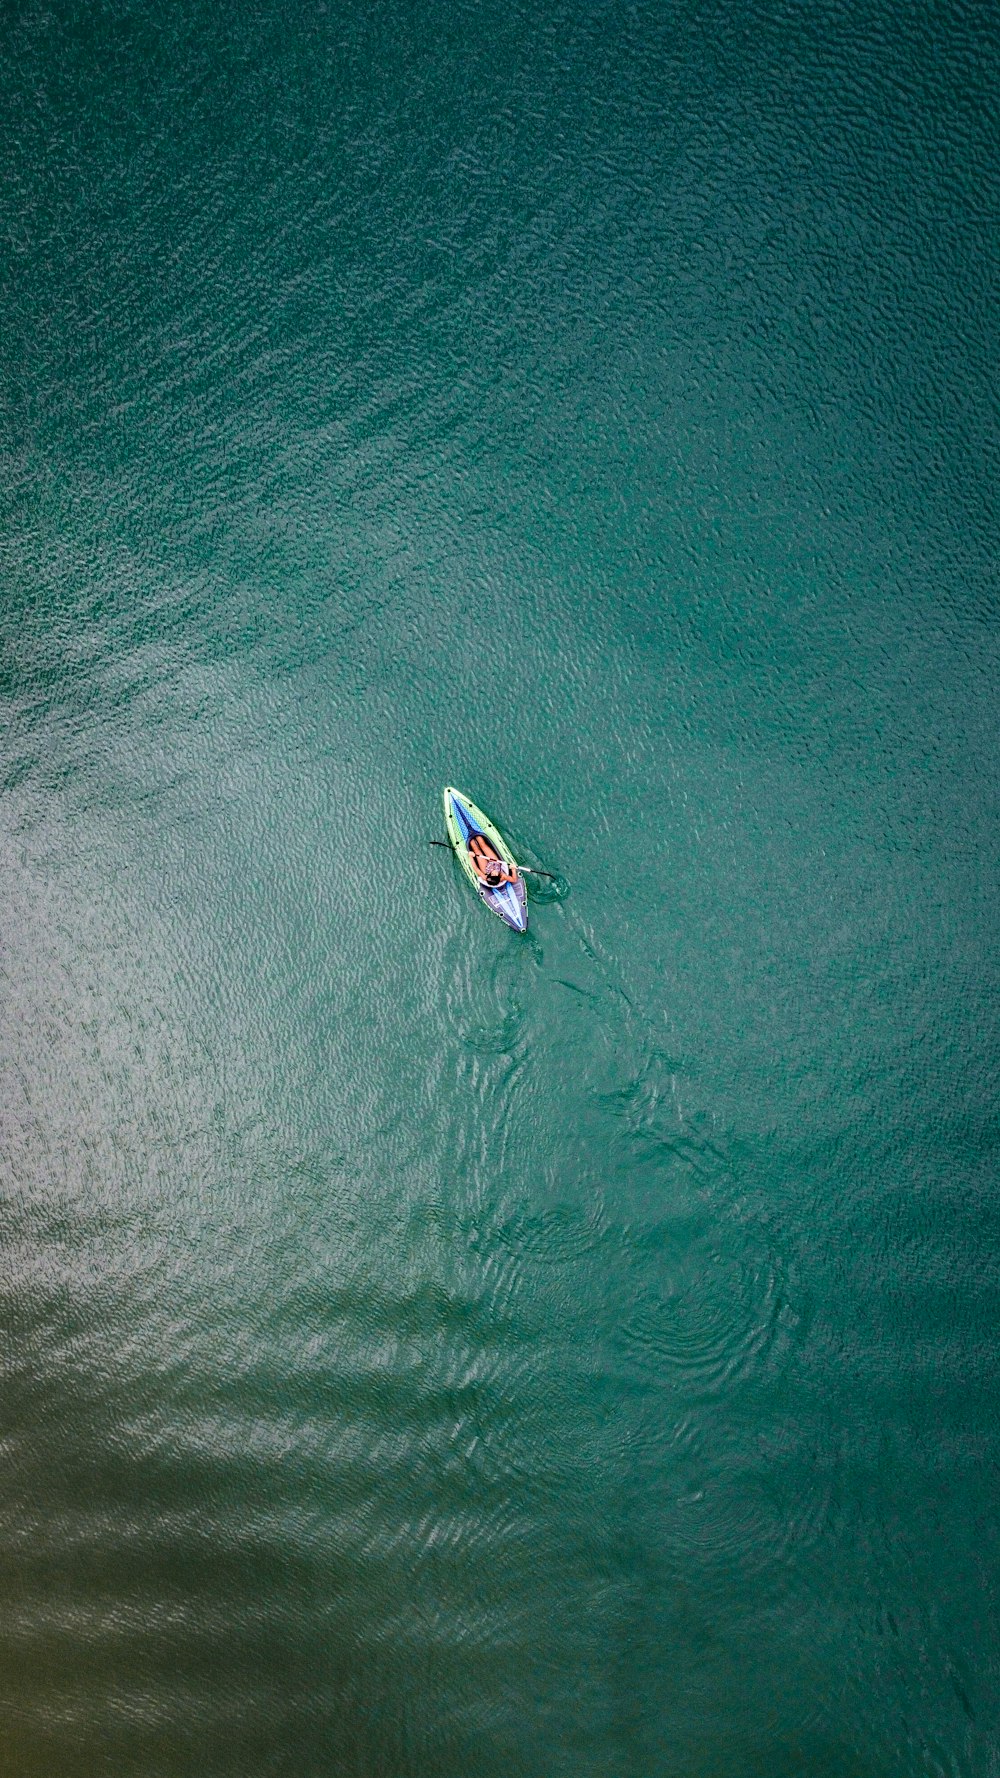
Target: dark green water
x: 428, y: 1353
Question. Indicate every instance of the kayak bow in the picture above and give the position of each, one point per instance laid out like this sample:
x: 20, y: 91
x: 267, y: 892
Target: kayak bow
x: 474, y: 837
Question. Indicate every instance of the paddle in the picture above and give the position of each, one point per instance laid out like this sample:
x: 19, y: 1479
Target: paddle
x: 526, y: 870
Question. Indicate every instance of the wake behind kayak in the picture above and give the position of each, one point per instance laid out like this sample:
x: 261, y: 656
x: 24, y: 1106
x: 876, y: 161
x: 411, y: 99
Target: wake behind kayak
x: 486, y: 859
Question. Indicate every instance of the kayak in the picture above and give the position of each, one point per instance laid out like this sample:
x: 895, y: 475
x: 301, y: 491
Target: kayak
x: 475, y: 840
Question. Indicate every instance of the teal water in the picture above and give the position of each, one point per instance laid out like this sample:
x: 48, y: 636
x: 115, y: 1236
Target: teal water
x: 424, y: 1351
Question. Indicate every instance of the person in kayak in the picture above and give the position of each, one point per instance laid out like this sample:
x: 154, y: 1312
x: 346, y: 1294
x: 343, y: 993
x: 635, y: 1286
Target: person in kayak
x: 494, y: 872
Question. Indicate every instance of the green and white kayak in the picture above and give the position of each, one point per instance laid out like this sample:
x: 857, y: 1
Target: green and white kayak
x: 475, y: 842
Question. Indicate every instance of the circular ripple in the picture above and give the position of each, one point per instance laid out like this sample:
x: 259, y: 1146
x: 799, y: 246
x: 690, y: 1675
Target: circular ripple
x: 554, y: 1236
x: 720, y: 1325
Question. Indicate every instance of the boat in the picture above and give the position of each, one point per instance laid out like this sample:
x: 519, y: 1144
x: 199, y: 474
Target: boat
x: 475, y: 841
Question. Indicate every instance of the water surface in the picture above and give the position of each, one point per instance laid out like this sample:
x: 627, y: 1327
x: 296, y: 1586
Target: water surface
x: 427, y: 1351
